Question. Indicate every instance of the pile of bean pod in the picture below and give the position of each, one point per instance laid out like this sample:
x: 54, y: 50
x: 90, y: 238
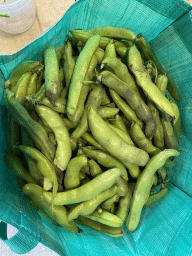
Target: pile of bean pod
x: 93, y: 129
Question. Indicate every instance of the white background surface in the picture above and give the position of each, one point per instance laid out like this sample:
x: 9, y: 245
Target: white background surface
x: 40, y: 249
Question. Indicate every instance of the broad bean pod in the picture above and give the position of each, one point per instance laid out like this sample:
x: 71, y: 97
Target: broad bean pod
x: 95, y: 169
x: 112, y: 143
x: 136, y: 103
x: 63, y: 152
x: 153, y: 198
x: 142, y: 142
x: 35, y: 130
x: 144, y: 81
x: 125, y: 202
x: 45, y: 166
x: 58, y: 212
x: 113, y: 32
x: 80, y: 70
x: 72, y: 177
x: 143, y: 186
x: 121, y: 71
x: 106, y: 160
x: 106, y: 218
x: 52, y: 83
x: 89, y: 206
x: 87, y: 191
x: 19, y: 70
x: 17, y: 167
x: 148, y: 54
x: 99, y: 227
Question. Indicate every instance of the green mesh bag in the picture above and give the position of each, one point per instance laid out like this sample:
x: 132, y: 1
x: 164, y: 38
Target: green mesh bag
x: 165, y: 228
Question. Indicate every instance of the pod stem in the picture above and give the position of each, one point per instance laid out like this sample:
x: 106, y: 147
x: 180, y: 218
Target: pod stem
x: 32, y: 100
x: 5, y: 15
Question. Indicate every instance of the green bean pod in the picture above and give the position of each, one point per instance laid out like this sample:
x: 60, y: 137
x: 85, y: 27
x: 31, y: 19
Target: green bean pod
x: 52, y: 83
x: 87, y: 191
x: 89, y: 206
x: 148, y: 54
x: 57, y: 213
x: 99, y: 227
x: 54, y: 121
x: 125, y: 202
x: 35, y: 130
x: 112, y: 143
x: 143, y: 185
x: 80, y: 70
x: 106, y: 218
x: 144, y: 81
x: 72, y: 178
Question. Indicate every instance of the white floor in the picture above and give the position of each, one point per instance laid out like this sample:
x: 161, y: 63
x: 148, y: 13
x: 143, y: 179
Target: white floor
x: 40, y: 249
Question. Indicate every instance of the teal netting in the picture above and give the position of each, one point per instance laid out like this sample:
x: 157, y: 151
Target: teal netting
x: 166, y: 227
